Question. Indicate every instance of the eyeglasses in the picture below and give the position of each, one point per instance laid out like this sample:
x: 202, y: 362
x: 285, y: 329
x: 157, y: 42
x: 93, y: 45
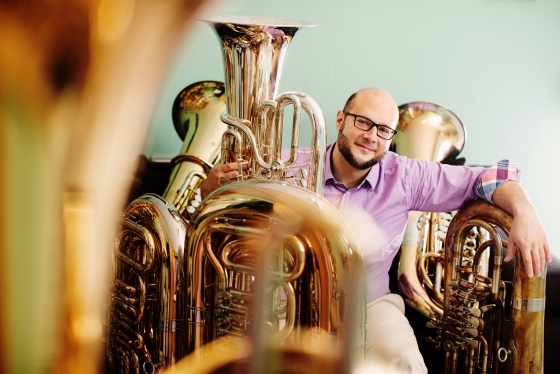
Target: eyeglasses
x: 364, y: 124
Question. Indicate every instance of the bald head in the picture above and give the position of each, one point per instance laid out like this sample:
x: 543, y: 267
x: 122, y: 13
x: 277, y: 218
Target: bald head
x: 376, y: 98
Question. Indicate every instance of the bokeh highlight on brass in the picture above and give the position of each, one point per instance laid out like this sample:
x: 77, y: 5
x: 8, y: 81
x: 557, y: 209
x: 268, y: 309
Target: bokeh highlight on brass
x: 77, y: 86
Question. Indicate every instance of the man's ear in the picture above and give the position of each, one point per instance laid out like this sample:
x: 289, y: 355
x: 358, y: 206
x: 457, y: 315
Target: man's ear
x: 339, y: 119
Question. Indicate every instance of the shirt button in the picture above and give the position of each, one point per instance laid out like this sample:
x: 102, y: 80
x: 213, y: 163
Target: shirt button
x: 347, y: 192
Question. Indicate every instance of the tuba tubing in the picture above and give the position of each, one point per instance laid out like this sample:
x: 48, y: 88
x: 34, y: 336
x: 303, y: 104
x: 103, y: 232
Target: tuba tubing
x: 520, y: 348
x: 286, y: 218
x: 145, y: 285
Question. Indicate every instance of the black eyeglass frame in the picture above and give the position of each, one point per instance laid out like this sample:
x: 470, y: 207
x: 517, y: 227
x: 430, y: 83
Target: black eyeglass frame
x: 377, y: 126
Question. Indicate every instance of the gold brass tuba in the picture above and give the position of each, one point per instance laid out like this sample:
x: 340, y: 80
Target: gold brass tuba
x: 144, y: 315
x: 426, y: 131
x: 477, y: 309
x: 196, y: 117
x: 497, y: 325
x: 261, y: 252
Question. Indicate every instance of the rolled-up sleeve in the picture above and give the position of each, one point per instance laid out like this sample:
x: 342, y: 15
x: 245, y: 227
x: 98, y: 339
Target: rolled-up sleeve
x: 495, y: 175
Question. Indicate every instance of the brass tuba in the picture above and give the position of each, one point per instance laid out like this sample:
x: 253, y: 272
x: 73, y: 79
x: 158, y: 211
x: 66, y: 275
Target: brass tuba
x: 426, y: 131
x: 494, y: 331
x: 196, y: 117
x: 261, y: 255
x: 144, y: 316
x: 265, y: 232
x: 454, y: 274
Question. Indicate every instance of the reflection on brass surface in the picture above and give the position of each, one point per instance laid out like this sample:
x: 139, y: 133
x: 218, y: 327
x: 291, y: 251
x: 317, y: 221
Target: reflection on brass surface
x: 76, y: 92
x: 196, y: 116
x: 191, y: 101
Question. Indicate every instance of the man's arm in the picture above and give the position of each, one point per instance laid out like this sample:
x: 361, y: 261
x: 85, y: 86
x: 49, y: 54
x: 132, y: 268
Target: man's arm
x: 527, y: 233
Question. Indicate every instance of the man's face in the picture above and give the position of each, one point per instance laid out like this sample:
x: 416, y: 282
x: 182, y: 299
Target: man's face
x: 363, y: 149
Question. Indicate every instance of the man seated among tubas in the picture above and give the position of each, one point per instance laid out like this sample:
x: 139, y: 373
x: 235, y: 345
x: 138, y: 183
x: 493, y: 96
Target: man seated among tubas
x: 362, y: 177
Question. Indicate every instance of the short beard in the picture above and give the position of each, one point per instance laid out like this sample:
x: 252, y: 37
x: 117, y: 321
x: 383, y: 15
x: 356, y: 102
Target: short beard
x: 344, y: 148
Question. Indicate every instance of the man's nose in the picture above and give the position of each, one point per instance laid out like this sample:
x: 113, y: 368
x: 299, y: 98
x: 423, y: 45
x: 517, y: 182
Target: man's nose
x: 371, y: 134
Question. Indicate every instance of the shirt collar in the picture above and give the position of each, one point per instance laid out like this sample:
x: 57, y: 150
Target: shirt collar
x: 369, y: 181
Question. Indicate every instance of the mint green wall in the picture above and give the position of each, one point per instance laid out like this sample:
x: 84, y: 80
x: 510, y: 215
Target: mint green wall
x: 495, y: 63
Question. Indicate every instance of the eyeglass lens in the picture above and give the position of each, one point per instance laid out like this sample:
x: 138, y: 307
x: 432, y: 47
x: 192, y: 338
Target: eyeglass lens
x: 365, y: 125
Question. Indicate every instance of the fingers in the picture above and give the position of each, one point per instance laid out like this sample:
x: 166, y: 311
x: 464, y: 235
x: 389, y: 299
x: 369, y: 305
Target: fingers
x: 510, y: 251
x: 547, y: 254
x: 533, y: 259
x: 528, y: 236
x: 537, y: 264
x: 227, y: 171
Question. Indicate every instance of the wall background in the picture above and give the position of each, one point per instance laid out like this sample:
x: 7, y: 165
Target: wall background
x: 494, y: 63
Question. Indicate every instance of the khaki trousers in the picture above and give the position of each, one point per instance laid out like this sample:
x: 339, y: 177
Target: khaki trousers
x: 391, y: 346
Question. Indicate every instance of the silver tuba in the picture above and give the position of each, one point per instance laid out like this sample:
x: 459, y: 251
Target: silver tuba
x: 263, y: 251
x: 262, y: 256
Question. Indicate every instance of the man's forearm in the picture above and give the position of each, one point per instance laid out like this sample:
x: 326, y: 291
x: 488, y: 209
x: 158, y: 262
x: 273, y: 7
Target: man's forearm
x: 511, y: 197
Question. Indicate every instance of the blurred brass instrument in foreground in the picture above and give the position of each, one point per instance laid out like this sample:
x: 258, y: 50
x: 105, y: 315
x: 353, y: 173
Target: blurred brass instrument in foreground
x: 447, y: 275
x: 259, y: 262
x: 77, y: 86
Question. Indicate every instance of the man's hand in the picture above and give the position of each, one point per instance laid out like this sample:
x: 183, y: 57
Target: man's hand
x: 527, y: 233
x: 212, y: 182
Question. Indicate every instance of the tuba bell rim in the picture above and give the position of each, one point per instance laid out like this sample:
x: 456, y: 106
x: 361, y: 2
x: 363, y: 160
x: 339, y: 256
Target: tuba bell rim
x: 421, y: 106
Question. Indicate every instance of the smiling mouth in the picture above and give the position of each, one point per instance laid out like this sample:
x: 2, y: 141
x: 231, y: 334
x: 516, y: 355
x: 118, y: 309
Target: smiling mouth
x: 364, y: 147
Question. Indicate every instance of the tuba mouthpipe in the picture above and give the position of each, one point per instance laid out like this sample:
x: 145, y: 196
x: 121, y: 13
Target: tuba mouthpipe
x: 220, y: 273
x: 244, y: 126
x: 296, y: 119
x: 238, y: 145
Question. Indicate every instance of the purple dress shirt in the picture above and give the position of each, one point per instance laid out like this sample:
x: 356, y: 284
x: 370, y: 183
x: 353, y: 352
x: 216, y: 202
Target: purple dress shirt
x: 378, y: 208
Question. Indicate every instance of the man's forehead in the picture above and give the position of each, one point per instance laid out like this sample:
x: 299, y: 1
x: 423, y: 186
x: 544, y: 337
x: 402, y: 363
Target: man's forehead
x: 378, y: 107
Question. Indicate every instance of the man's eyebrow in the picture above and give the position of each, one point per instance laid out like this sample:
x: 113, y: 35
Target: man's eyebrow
x: 377, y: 124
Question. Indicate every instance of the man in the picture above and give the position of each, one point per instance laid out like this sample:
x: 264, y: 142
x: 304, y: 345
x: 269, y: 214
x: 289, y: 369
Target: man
x: 361, y: 176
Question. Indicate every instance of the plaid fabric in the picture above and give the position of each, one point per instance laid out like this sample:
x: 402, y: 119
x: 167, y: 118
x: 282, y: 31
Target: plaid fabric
x: 494, y: 176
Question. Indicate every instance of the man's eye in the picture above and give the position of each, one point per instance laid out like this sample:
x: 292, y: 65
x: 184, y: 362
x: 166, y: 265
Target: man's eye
x: 364, y: 122
x: 384, y: 130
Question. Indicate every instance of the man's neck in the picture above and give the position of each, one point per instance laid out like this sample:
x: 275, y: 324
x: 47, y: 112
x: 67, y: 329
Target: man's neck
x: 345, y: 173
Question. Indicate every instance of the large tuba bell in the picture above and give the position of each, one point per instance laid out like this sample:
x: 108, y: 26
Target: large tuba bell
x: 261, y: 255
